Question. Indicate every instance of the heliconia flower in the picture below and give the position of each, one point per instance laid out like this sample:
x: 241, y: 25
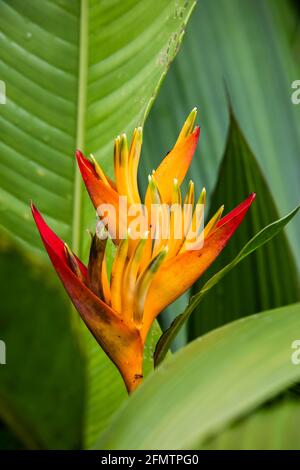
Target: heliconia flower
x: 147, y: 274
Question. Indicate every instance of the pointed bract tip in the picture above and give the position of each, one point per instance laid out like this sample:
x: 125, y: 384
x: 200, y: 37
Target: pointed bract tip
x: 196, y: 131
x: 192, y: 116
x: 117, y: 142
x: 241, y: 209
x: 202, y: 197
x: 34, y: 211
x: 78, y: 154
x: 190, y: 122
x: 138, y: 132
x: 248, y: 201
x: 93, y: 160
x: 123, y: 143
x: 219, y: 212
x: 81, y: 159
x: 83, y: 162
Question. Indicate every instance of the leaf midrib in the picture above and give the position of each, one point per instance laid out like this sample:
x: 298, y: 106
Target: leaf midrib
x: 80, y: 128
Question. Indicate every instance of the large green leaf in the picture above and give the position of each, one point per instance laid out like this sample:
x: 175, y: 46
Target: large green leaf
x: 274, y: 426
x: 262, y: 237
x: 209, y: 383
x: 253, y: 47
x: 77, y: 74
x: 269, y: 278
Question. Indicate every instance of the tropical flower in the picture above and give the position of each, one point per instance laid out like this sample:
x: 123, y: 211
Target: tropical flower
x: 147, y: 274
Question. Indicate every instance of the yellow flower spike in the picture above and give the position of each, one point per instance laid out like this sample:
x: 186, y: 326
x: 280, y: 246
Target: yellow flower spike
x: 130, y: 276
x: 187, y: 127
x: 123, y: 171
x: 213, y: 221
x: 121, y: 167
x: 195, y: 225
x: 200, y: 240
x: 155, y: 200
x: 176, y: 221
x: 153, y: 188
x: 188, y: 206
x: 176, y: 198
x: 133, y: 162
x: 143, y: 284
x: 117, y: 275
x: 99, y: 171
x: 105, y: 282
x: 153, y: 197
x: 117, y: 160
x: 159, y: 218
x: 202, y: 198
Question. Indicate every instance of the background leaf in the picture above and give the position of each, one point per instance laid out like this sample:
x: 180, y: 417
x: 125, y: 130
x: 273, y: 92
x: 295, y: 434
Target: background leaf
x: 272, y: 427
x: 180, y: 405
x: 267, y: 279
x: 77, y: 74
